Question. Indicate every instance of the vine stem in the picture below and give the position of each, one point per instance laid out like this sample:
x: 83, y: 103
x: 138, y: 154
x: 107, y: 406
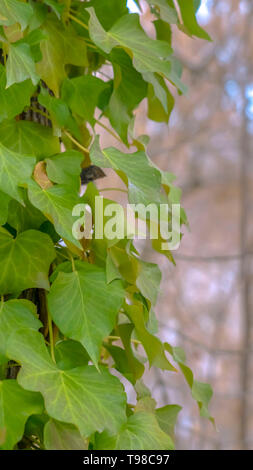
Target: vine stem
x: 84, y: 149
x: 109, y: 130
x: 72, y: 262
x: 38, y: 111
x: 74, y: 18
x: 113, y: 189
x: 117, y: 338
x: 51, y: 336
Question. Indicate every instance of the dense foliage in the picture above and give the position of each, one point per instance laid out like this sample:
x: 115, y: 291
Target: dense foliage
x: 72, y: 311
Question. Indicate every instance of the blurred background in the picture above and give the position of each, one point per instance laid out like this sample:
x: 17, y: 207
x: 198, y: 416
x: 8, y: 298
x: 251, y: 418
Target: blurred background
x: 205, y: 304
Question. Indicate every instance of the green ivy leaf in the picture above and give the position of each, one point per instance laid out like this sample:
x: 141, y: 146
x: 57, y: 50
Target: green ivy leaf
x: 80, y: 396
x: 29, y: 138
x: 64, y: 168
x: 152, y: 345
x: 160, y: 99
x: 15, y: 98
x: 23, y: 266
x: 24, y: 217
x: 70, y: 354
x: 134, y: 369
x: 201, y: 392
x: 15, y: 314
x: 63, y: 436
x: 5, y: 199
x: 144, y: 181
x: 190, y: 24
x: 57, y: 8
x: 129, y: 89
x: 167, y: 418
x: 82, y: 94
x: 78, y: 313
x: 62, y: 46
x: 20, y: 64
x: 109, y: 13
x: 14, y: 11
x: 16, y: 405
x: 142, y: 432
x: 166, y: 9
x: 15, y: 170
x: 57, y: 204
x: 148, y: 280
x: 148, y: 55
x: 59, y: 114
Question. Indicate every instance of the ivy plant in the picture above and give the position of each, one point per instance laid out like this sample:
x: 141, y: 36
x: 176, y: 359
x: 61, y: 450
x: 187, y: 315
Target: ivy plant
x: 77, y: 316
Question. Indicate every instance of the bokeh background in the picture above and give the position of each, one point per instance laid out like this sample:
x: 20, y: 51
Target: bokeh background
x: 205, y: 304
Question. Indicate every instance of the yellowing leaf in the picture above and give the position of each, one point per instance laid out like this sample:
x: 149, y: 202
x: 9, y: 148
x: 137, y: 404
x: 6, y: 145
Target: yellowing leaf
x: 61, y: 47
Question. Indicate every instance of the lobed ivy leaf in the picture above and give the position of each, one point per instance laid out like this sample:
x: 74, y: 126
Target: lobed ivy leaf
x: 148, y: 55
x: 61, y: 47
x: 190, y: 24
x: 125, y: 361
x: 60, y: 114
x: 25, y: 216
x: 16, y: 405
x: 109, y: 13
x: 166, y: 10
x: 84, y: 397
x: 56, y: 203
x: 15, y: 98
x: 57, y: 8
x: 20, y: 64
x: 82, y: 95
x: 141, y: 432
x: 15, y: 170
x: 148, y: 280
x: 29, y: 138
x: 167, y: 417
x: 201, y: 392
x: 160, y: 99
x: 144, y: 181
x: 14, y: 11
x: 23, y: 266
x: 129, y: 89
x: 81, y: 315
x: 15, y: 314
x: 62, y: 436
x: 64, y: 168
x: 152, y: 345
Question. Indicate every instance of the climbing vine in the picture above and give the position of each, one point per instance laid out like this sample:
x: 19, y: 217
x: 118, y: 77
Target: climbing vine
x: 77, y: 314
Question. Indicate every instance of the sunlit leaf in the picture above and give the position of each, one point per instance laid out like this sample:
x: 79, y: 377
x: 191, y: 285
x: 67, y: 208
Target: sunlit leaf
x: 80, y: 396
x: 14, y: 11
x: 141, y: 432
